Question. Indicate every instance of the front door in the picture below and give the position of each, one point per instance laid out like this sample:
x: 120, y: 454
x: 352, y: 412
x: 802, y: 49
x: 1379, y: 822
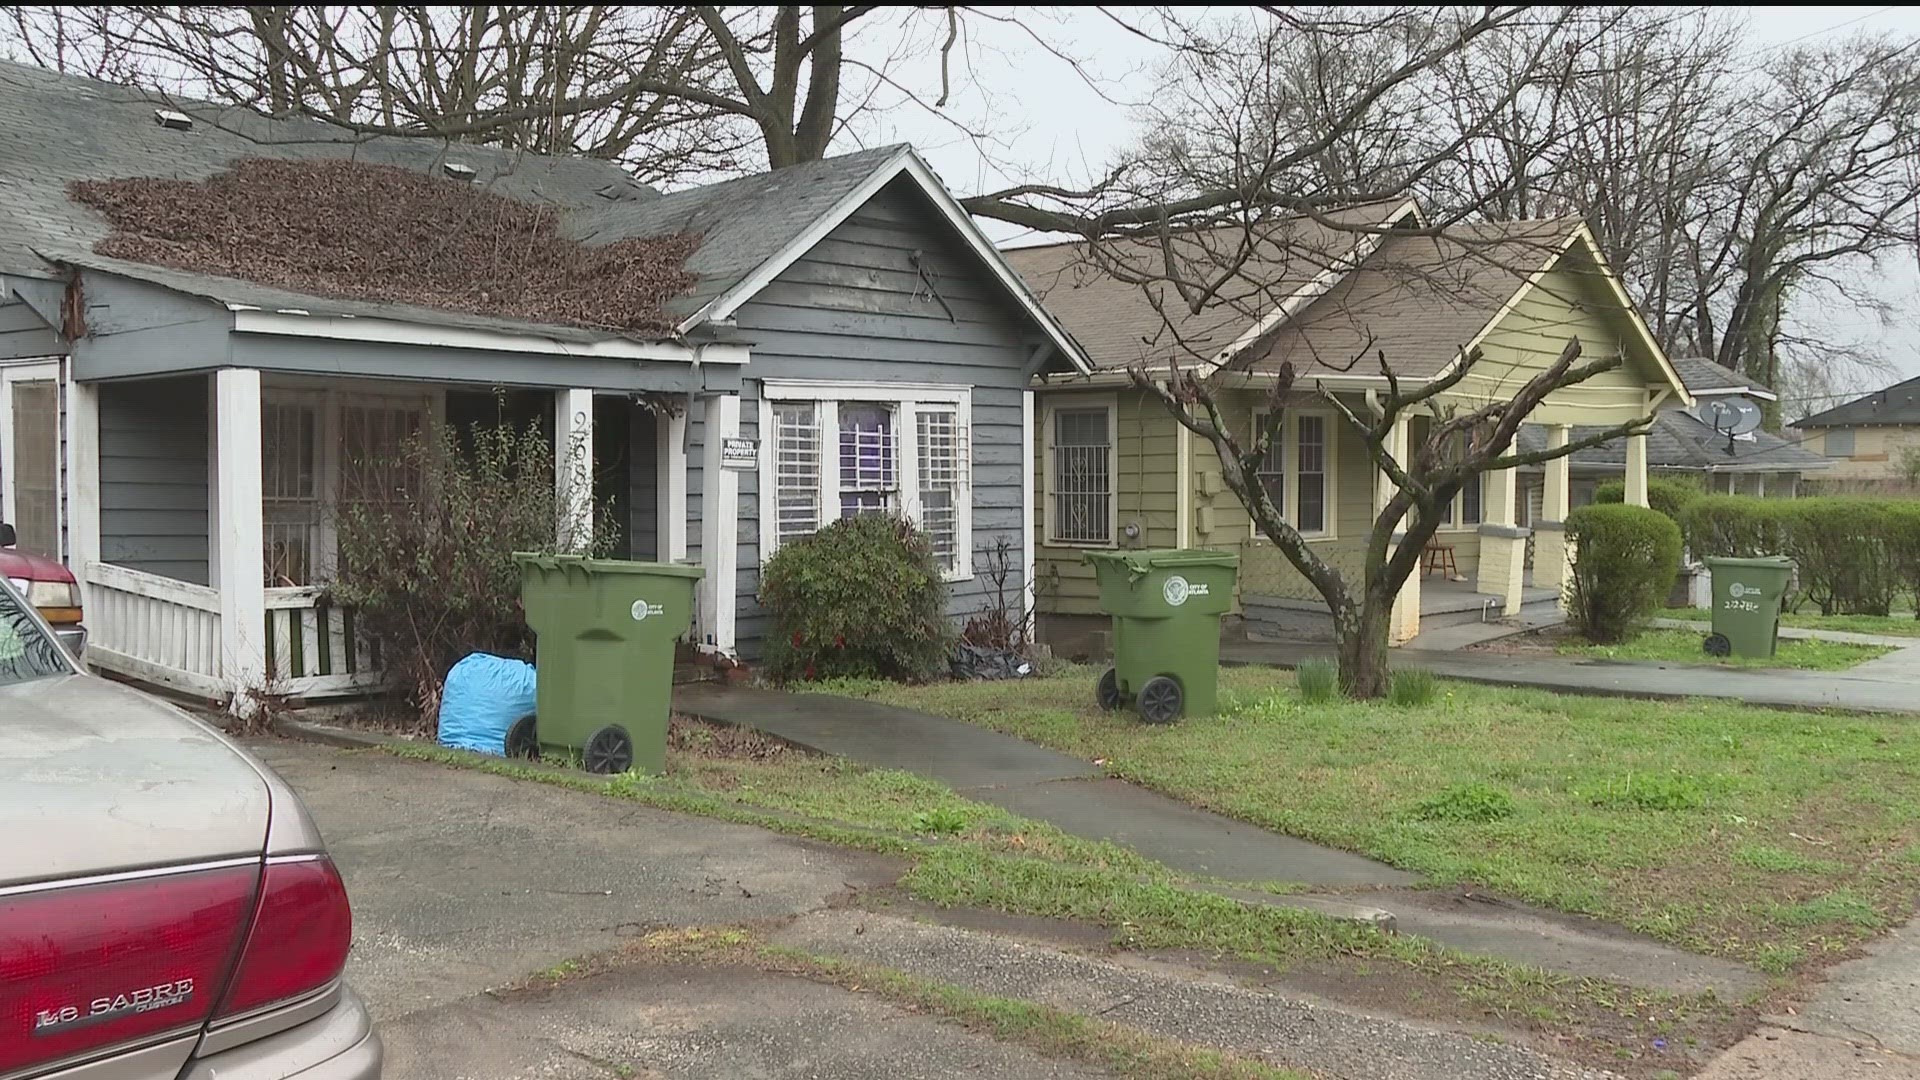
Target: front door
x: 30, y: 455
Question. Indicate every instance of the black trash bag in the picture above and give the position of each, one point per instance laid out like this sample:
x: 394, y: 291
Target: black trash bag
x: 978, y: 662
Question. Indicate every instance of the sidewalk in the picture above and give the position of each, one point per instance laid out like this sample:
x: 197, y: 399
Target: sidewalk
x: 1077, y: 798
x: 1883, y: 685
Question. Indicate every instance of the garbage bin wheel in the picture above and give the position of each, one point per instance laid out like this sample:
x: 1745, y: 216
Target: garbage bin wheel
x: 1107, y: 693
x: 523, y: 739
x: 1160, y: 700
x: 608, y: 751
x: 1717, y: 645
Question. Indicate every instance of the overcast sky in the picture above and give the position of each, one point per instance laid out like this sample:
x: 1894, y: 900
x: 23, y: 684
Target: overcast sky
x: 1047, y: 121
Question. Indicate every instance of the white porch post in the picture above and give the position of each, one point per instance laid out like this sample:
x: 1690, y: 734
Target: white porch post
x: 240, y: 573
x: 573, y: 466
x: 673, y: 485
x: 1503, y: 544
x: 719, y: 522
x: 83, y: 479
x: 1403, y: 622
x: 1029, y: 588
x: 1637, y: 470
x: 1550, y: 552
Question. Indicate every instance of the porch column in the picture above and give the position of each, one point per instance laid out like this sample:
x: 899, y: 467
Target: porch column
x: 1637, y: 469
x: 1550, y: 553
x: 83, y: 479
x: 240, y: 572
x: 573, y: 466
x: 1404, y: 620
x: 1503, y: 545
x: 672, y: 508
x: 719, y: 522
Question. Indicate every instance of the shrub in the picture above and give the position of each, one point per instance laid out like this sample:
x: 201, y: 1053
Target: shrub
x: 1671, y: 495
x: 1318, y: 680
x: 426, y: 549
x: 861, y: 598
x: 1842, y: 547
x: 1903, y: 545
x: 1412, y: 688
x: 1736, y: 526
x: 1475, y: 802
x: 1624, y: 562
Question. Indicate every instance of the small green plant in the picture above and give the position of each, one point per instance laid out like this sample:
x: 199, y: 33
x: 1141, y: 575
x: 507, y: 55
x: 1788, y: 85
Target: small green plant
x: 1651, y: 791
x: 940, y: 821
x: 1624, y: 561
x: 1412, y: 688
x: 1778, y: 860
x: 1318, y: 680
x: 1474, y: 802
x: 1835, y: 907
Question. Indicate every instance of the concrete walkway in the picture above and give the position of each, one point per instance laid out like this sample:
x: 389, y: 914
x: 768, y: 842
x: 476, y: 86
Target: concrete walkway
x: 1801, y: 633
x: 1075, y: 797
x: 1883, y: 685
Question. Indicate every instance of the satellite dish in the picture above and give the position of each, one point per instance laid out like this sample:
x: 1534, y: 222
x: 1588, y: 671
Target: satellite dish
x: 1732, y: 416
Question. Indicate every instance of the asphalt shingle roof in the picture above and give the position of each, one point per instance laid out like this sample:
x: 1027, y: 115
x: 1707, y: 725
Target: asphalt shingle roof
x: 1706, y: 376
x: 56, y: 128
x: 1112, y: 316
x: 1680, y: 440
x: 1896, y: 404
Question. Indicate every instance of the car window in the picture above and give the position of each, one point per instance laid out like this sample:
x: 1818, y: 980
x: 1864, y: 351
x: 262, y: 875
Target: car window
x: 26, y: 650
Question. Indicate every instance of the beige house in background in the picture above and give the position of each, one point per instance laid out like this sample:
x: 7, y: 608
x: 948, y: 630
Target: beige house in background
x: 1115, y: 470
x: 1865, y: 438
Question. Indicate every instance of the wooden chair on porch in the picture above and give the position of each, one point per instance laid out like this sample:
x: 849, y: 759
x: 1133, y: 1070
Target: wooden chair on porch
x: 1436, y: 556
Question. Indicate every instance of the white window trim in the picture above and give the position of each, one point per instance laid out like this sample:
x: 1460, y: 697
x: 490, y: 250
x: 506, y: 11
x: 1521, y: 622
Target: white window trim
x: 905, y: 398
x: 1077, y: 403
x: 1290, y: 467
x: 34, y: 371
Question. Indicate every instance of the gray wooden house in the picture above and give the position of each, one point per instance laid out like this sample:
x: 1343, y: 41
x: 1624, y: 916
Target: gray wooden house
x: 849, y: 343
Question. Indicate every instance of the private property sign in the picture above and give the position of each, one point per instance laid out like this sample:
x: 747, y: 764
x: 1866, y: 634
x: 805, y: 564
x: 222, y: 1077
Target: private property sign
x: 740, y: 454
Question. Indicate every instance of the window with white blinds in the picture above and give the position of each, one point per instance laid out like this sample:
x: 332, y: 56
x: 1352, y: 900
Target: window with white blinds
x: 840, y: 450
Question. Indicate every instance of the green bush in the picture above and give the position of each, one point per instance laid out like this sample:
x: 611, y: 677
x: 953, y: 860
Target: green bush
x: 1671, y: 495
x: 861, y: 598
x: 1318, y: 680
x: 1842, y: 547
x: 1476, y: 802
x: 1736, y: 526
x: 1624, y: 562
x: 1903, y: 546
x: 1412, y: 688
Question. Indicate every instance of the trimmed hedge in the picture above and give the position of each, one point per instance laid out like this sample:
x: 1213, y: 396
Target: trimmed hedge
x: 1667, y: 494
x: 861, y: 598
x: 1855, y: 555
x: 1624, y: 562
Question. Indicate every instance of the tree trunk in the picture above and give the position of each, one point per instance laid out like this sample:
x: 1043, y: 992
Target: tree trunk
x: 1360, y: 637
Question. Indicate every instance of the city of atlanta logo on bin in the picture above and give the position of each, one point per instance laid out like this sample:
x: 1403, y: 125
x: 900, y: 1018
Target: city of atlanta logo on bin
x: 1177, y: 589
x: 641, y: 609
x: 1737, y: 590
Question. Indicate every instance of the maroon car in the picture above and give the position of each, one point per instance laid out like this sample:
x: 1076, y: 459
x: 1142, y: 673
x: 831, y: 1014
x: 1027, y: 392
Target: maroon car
x: 48, y: 586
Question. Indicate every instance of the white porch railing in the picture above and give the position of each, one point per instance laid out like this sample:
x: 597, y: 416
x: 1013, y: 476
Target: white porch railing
x: 312, y: 650
x: 154, y: 628
x: 161, y: 630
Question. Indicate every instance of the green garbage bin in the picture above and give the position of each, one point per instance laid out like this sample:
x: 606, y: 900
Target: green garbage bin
x: 605, y: 631
x: 1746, y: 604
x: 1166, y: 606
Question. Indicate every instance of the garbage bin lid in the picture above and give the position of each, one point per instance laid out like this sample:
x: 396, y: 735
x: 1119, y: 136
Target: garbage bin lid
x: 1764, y: 562
x: 551, y: 561
x: 1140, y: 561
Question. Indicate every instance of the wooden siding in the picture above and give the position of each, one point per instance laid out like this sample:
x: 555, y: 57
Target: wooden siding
x: 153, y: 476
x: 24, y: 335
x: 855, y: 308
x: 1145, y: 457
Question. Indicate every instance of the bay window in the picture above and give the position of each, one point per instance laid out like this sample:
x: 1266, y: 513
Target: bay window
x: 836, y: 450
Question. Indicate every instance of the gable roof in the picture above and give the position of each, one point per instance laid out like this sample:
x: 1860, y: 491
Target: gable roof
x: 1706, y: 378
x: 1892, y: 405
x: 57, y: 128
x: 1104, y: 304
x: 1680, y: 440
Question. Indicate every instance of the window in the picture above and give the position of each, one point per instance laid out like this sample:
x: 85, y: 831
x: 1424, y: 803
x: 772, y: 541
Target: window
x: 841, y: 450
x: 1082, y: 476
x: 319, y: 452
x: 1310, y: 515
x: 1838, y: 443
x: 290, y: 490
x: 36, y: 466
x: 1470, y: 493
x: 1296, y: 470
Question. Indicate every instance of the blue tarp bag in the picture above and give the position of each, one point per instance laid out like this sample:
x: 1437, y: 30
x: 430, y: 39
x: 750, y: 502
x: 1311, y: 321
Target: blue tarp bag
x: 483, y: 696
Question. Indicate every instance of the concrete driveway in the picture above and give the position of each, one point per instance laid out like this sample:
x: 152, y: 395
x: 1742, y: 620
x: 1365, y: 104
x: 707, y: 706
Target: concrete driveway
x: 464, y: 883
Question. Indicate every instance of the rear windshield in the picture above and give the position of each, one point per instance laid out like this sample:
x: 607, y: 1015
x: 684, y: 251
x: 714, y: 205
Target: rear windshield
x: 26, y: 651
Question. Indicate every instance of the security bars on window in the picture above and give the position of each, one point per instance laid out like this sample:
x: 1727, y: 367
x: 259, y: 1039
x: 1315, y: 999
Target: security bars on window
x: 943, y: 472
x: 797, y: 468
x: 1082, y: 479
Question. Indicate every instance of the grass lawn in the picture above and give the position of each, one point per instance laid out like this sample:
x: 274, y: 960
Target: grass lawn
x: 1683, y: 647
x: 1895, y: 625
x: 1777, y: 837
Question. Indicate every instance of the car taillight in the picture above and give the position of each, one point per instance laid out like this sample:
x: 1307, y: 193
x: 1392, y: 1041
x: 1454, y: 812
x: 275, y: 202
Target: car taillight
x: 87, y: 967
x: 298, y: 944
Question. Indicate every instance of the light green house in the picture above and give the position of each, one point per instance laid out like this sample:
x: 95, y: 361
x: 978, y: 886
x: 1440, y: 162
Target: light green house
x: 1114, y: 469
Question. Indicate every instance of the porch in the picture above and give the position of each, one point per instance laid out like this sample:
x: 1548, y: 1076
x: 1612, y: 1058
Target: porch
x: 204, y: 511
